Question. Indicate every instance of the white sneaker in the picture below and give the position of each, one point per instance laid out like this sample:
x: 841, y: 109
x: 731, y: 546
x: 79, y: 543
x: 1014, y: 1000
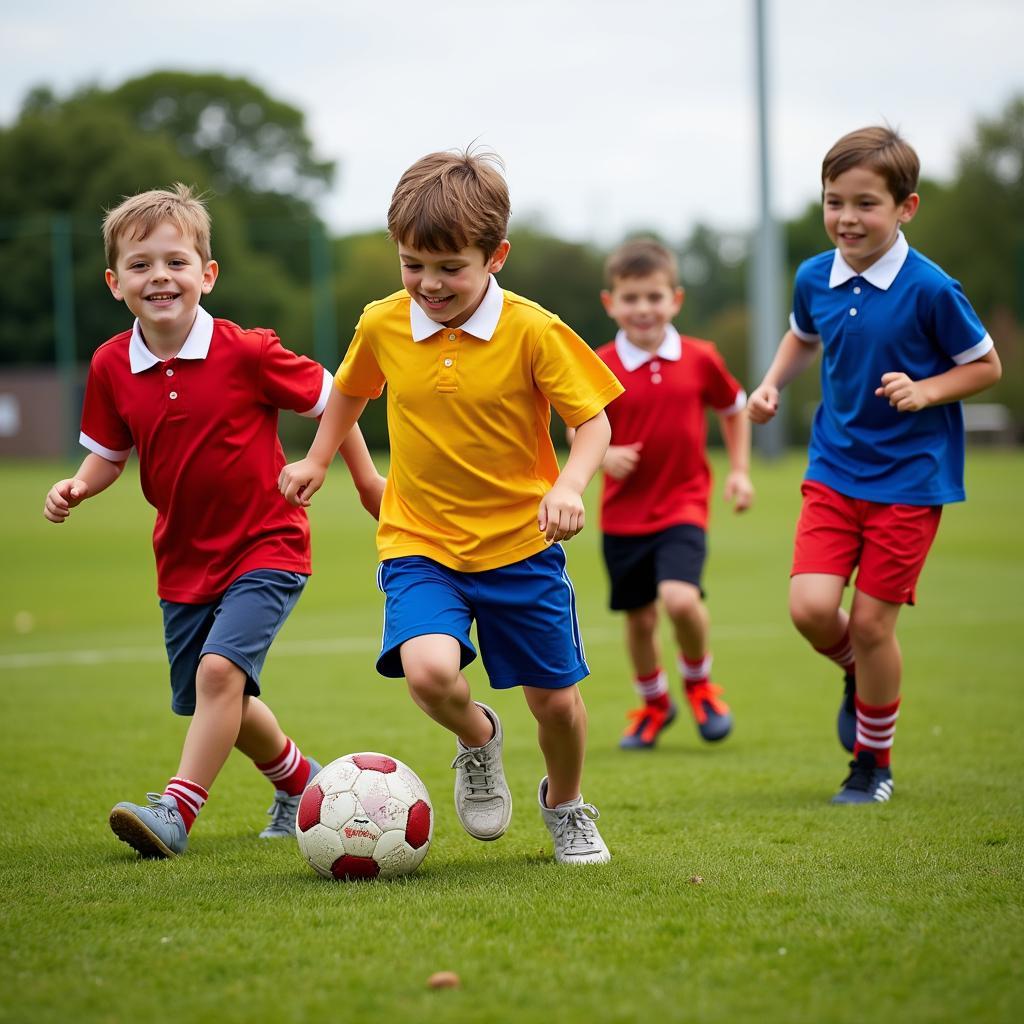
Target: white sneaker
x: 572, y: 827
x: 482, y: 799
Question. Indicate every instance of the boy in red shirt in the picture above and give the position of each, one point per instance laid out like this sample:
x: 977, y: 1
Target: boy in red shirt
x: 198, y: 399
x: 654, y: 504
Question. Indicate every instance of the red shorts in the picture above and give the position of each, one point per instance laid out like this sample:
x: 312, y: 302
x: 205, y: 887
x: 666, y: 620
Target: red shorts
x: 888, y: 542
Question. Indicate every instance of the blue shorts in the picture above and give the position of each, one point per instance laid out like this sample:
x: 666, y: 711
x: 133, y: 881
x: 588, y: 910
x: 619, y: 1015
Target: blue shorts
x: 525, y: 617
x: 240, y: 626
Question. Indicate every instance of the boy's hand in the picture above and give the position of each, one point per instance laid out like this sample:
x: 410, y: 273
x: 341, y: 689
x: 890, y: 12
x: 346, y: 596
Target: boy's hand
x: 299, y: 481
x: 903, y: 394
x: 370, y: 495
x: 561, y: 515
x: 621, y: 459
x: 739, y: 491
x: 763, y: 403
x: 63, y: 496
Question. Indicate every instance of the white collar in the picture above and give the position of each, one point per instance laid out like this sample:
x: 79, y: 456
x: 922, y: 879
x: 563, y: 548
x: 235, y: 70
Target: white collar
x: 197, y: 344
x: 633, y: 357
x: 881, y: 273
x: 482, y: 324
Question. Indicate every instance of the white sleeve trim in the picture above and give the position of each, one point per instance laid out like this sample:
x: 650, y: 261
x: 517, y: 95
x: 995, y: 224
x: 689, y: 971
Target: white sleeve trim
x: 811, y: 339
x: 738, y: 406
x: 321, y: 402
x: 97, y: 449
x: 975, y: 352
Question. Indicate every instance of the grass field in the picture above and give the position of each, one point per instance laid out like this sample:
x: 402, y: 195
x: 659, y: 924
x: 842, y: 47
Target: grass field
x: 736, y: 891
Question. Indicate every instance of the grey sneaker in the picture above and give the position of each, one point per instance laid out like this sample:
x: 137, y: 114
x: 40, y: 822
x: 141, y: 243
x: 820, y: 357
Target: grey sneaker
x: 284, y: 809
x: 482, y: 800
x: 154, y: 831
x: 572, y: 827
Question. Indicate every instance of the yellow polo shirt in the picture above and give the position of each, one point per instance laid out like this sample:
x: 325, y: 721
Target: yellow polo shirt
x: 468, y: 415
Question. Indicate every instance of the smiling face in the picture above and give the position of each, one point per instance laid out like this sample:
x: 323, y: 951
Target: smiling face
x: 161, y: 279
x: 643, y: 307
x: 449, y: 286
x: 862, y: 217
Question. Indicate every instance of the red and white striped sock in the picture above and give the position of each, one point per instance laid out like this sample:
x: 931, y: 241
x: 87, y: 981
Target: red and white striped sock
x: 289, y: 771
x: 841, y: 653
x: 654, y: 689
x: 695, y: 672
x: 189, y: 796
x: 876, y: 727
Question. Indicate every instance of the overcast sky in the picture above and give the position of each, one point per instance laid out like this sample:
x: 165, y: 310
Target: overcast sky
x: 610, y: 115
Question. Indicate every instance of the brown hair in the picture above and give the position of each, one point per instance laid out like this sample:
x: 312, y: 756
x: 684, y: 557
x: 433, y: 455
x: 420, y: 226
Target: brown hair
x: 880, y: 149
x: 138, y: 216
x: 450, y: 200
x: 641, y: 257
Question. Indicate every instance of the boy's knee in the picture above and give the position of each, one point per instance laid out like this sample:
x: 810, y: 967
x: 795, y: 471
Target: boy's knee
x: 558, y: 709
x: 219, y: 677
x: 809, y: 615
x: 643, y: 620
x: 681, y: 600
x: 431, y: 679
x: 869, y: 628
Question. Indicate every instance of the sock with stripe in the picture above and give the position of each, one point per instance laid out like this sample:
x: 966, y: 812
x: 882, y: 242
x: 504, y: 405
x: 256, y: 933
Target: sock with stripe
x: 189, y: 796
x: 695, y: 671
x: 841, y: 653
x: 876, y: 727
x: 289, y: 771
x: 653, y: 689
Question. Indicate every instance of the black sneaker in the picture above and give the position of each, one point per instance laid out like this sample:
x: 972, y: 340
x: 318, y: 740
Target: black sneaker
x: 846, y: 720
x: 866, y: 783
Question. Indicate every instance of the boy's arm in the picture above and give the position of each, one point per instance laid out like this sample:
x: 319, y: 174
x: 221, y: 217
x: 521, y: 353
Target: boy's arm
x: 736, y: 434
x: 369, y: 483
x: 94, y: 475
x: 619, y: 460
x: 560, y: 515
x: 792, y: 358
x: 299, y: 481
x: 906, y: 395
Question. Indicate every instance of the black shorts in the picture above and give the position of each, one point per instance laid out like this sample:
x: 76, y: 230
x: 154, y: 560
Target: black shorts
x: 637, y: 564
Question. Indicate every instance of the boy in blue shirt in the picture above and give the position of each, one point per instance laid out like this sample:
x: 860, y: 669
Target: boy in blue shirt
x: 901, y: 347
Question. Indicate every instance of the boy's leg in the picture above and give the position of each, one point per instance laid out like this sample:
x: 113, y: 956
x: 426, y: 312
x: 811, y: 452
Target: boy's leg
x: 650, y: 681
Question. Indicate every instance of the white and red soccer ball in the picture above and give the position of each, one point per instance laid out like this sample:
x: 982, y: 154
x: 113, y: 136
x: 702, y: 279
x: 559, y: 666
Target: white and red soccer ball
x: 364, y: 816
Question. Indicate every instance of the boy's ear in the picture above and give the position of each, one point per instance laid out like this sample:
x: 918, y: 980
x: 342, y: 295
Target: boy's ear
x: 115, y: 289
x: 606, y: 301
x: 909, y: 207
x: 210, y: 272
x: 498, y: 257
x: 680, y: 297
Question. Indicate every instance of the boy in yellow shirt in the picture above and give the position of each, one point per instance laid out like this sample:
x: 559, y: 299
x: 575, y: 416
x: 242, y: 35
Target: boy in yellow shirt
x: 475, y: 504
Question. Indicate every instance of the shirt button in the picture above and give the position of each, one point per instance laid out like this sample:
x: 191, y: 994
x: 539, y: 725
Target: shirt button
x: 655, y: 378
x: 447, y: 362
x: 169, y: 372
x: 451, y: 337
x: 173, y: 394
x: 856, y: 290
x: 853, y: 312
x: 655, y: 366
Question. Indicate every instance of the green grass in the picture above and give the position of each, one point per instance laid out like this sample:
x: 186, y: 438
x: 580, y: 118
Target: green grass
x: 736, y: 892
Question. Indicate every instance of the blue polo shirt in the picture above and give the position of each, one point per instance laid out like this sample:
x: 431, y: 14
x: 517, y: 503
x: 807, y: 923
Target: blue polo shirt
x: 902, y: 314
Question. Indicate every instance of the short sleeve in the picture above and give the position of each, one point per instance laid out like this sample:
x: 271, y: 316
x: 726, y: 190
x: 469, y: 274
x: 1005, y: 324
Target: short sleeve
x: 571, y: 376
x: 956, y: 327
x: 360, y: 374
x: 104, y: 432
x: 290, y: 381
x: 801, y: 322
x: 722, y: 391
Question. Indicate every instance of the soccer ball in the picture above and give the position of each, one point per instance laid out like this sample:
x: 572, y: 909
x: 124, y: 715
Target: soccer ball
x: 364, y: 816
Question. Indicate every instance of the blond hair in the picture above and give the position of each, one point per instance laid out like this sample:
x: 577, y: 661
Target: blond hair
x: 451, y: 200
x: 138, y: 216
x: 640, y: 257
x: 880, y: 149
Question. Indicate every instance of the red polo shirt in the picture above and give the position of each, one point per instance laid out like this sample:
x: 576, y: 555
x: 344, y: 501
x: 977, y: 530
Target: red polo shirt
x: 664, y: 406
x: 204, y: 424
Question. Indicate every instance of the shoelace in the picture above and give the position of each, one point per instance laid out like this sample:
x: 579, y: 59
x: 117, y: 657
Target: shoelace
x: 479, y: 774
x: 161, y: 810
x: 861, y: 773
x: 576, y: 826
x: 282, y: 810
x: 696, y: 695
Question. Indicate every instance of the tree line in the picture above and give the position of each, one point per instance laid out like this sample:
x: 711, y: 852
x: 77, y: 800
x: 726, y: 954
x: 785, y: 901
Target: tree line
x: 80, y: 153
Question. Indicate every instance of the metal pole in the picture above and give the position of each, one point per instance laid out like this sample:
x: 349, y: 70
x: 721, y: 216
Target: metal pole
x: 325, y: 331
x: 64, y: 324
x: 767, y: 261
